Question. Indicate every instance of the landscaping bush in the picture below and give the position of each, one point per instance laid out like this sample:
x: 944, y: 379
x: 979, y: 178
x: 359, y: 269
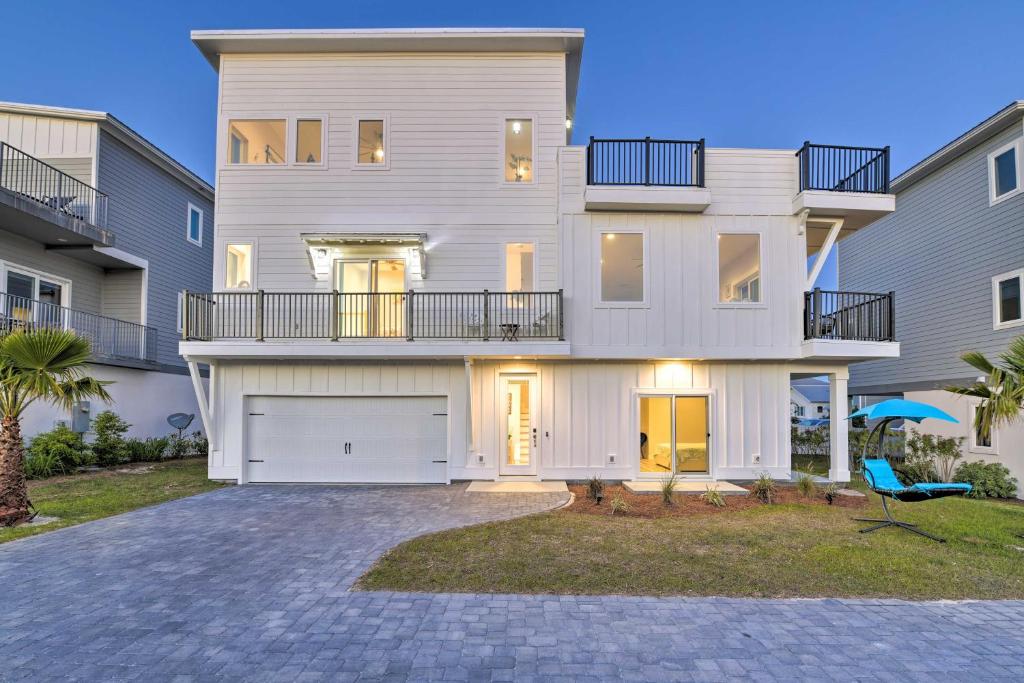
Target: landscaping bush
x: 595, y: 487
x: 668, y: 490
x: 805, y: 484
x: 763, y: 488
x: 110, y: 446
x: 831, y: 491
x: 147, y: 450
x: 42, y: 466
x: 619, y: 505
x: 712, y: 496
x: 990, y: 480
x: 192, y: 446
x: 59, y: 450
x: 929, y: 458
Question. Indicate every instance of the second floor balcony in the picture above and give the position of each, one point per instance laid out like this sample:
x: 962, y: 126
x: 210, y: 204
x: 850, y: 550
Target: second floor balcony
x: 646, y: 175
x: 849, y: 316
x: 836, y: 181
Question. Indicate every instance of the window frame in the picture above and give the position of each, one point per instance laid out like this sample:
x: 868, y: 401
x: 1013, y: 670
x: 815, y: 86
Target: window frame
x: 188, y: 224
x: 716, y: 273
x: 534, y: 120
x: 599, y: 301
x: 504, y: 263
x: 998, y: 324
x: 972, y: 445
x: 1018, y: 149
x: 293, y: 144
x: 710, y: 394
x: 64, y: 283
x: 371, y: 116
x: 224, y: 266
x: 290, y: 139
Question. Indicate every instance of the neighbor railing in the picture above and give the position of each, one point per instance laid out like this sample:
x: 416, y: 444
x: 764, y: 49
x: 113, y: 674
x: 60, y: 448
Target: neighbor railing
x: 261, y: 315
x: 844, y: 169
x: 645, y: 161
x: 110, y: 337
x: 40, y: 182
x: 855, y: 316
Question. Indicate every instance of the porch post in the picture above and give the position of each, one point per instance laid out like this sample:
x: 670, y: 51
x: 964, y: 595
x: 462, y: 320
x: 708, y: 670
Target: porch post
x: 839, y: 443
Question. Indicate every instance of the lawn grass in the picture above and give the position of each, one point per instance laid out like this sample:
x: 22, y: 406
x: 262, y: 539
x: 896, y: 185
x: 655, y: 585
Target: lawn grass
x: 792, y: 550
x: 815, y: 463
x: 83, y: 497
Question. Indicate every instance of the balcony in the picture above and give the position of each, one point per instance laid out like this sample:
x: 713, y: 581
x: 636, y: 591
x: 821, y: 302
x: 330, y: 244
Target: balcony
x: 851, y: 183
x: 849, y: 325
x: 646, y: 175
x: 112, y: 340
x: 49, y: 206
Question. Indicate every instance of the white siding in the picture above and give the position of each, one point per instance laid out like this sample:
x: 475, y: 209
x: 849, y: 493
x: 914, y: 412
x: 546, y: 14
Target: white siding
x: 50, y: 138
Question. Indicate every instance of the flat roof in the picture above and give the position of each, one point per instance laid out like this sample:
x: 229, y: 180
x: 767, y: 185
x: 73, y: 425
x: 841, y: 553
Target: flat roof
x: 569, y: 41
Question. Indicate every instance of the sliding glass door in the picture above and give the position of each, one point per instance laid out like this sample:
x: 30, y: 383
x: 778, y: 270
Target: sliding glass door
x: 674, y: 435
x: 372, y: 302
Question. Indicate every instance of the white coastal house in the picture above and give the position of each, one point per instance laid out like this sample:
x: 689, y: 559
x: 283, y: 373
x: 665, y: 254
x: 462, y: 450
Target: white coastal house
x: 419, y: 278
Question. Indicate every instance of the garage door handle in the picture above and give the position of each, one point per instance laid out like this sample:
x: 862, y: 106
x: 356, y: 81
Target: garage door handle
x: 255, y: 461
x: 440, y: 461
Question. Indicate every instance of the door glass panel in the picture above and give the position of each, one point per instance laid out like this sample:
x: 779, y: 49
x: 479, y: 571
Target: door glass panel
x: 389, y: 298
x: 691, y: 434
x: 517, y: 415
x: 656, y: 434
x: 20, y: 290
x: 49, y: 299
x: 354, y: 285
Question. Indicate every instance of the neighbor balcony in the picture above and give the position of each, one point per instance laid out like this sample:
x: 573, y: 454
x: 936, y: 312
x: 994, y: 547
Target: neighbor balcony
x: 646, y: 175
x: 113, y: 340
x: 851, y: 183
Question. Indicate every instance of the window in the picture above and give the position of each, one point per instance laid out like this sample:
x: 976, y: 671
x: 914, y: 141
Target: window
x: 739, y: 268
x: 622, y: 267
x: 371, y: 145
x: 518, y: 150
x: 238, y: 266
x: 32, y: 296
x: 180, y: 315
x: 1006, y: 300
x: 256, y: 142
x: 980, y: 442
x: 1004, y: 173
x: 519, y: 267
x: 309, y: 141
x: 194, y: 225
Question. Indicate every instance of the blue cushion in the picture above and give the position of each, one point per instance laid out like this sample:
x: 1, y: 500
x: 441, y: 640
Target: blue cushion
x: 880, y: 475
x: 943, y: 487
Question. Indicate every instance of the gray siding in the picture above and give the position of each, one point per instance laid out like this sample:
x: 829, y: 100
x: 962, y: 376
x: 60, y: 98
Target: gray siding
x: 122, y: 295
x: 148, y: 213
x: 938, y: 251
x: 86, y: 280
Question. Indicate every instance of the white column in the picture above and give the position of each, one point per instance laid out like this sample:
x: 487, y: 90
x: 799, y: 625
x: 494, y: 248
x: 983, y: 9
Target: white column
x: 839, y: 442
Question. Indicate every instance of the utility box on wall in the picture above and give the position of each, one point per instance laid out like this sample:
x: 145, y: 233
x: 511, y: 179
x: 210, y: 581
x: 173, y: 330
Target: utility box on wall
x: 81, y: 417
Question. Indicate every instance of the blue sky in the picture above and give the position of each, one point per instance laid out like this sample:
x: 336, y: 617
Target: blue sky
x: 912, y: 75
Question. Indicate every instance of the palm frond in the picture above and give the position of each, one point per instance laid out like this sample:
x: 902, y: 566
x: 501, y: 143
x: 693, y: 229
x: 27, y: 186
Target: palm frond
x: 48, y: 365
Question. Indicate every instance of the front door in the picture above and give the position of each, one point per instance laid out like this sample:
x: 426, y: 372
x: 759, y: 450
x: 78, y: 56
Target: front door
x: 372, y: 300
x: 674, y: 436
x: 519, y: 424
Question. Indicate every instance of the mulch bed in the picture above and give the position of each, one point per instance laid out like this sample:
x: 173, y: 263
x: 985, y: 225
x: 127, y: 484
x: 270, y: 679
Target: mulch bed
x: 686, y: 505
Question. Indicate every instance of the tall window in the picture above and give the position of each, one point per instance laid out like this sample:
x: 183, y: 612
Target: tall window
x: 979, y: 439
x: 519, y: 267
x: 258, y: 141
x: 1006, y: 299
x: 372, y: 145
x: 1004, y: 171
x: 518, y: 150
x: 622, y: 267
x: 739, y: 268
x: 194, y: 225
x: 309, y: 141
x: 238, y: 266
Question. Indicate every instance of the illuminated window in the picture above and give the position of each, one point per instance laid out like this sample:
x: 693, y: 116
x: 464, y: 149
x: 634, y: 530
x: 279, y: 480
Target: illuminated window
x: 739, y: 268
x: 622, y: 267
x: 518, y: 150
x: 372, y: 145
x: 238, y: 266
x: 256, y: 142
x: 519, y: 268
x: 309, y: 141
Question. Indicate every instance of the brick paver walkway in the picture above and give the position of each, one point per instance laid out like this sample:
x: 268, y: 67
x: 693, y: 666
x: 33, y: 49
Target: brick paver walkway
x: 253, y: 583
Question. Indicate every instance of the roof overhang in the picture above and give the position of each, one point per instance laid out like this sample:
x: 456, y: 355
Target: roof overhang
x: 569, y: 41
x: 320, y: 244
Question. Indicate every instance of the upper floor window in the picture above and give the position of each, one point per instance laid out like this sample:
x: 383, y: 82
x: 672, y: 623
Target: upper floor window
x: 238, y: 266
x: 519, y: 267
x: 309, y: 135
x: 519, y: 150
x: 371, y: 143
x: 256, y: 141
x: 194, y: 226
x: 1006, y: 300
x: 622, y: 268
x: 1004, y: 172
x: 739, y: 268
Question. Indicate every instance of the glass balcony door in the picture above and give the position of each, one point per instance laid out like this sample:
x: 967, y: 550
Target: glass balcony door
x: 674, y: 435
x: 372, y: 300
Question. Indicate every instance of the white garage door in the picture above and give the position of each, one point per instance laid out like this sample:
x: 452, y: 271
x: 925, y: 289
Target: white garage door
x: 379, y: 439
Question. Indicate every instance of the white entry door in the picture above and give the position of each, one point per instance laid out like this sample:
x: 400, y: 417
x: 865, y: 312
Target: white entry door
x: 347, y: 439
x: 519, y: 424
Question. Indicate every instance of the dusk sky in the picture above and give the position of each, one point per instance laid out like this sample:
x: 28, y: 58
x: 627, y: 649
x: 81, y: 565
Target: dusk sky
x: 912, y: 75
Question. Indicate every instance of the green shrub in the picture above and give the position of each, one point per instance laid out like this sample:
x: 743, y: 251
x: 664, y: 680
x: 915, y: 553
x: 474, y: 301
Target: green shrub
x: 42, y: 466
x: 109, y: 444
x: 712, y: 496
x: 805, y: 484
x: 990, y: 480
x: 831, y: 491
x: 192, y: 446
x: 59, y: 450
x: 147, y: 450
x: 928, y: 458
x: 668, y: 490
x: 763, y: 488
x: 619, y: 505
x: 595, y: 487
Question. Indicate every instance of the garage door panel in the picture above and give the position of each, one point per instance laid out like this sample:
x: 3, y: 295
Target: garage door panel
x: 394, y: 439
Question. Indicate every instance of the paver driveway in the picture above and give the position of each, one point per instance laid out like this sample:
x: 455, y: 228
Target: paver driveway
x: 253, y: 583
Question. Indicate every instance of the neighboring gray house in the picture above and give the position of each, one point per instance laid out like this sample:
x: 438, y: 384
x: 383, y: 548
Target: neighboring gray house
x: 953, y: 252
x: 99, y: 231
x: 809, y: 398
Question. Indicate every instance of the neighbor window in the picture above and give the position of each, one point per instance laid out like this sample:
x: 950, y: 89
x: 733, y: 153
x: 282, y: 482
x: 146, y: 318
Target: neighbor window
x: 979, y: 439
x: 309, y: 141
x: 622, y: 267
x: 1004, y: 171
x: 518, y: 150
x: 372, y: 145
x: 1006, y: 295
x: 194, y: 225
x: 739, y: 268
x: 238, y: 267
x: 257, y: 142
x: 519, y: 267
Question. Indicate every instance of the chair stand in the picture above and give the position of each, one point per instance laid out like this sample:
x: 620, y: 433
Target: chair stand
x: 889, y: 521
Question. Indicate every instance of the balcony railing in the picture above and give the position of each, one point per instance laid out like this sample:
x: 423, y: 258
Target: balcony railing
x: 484, y: 316
x: 110, y: 338
x: 834, y: 168
x: 675, y: 163
x: 851, y: 316
x: 36, y: 180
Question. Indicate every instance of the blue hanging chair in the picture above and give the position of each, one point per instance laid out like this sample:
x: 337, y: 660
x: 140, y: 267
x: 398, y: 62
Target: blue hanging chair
x: 879, y: 475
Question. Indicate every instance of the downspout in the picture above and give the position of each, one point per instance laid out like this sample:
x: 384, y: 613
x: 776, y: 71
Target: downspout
x: 471, y: 445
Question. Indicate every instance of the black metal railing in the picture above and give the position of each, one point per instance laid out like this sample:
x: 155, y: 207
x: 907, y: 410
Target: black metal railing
x: 678, y: 163
x: 854, y: 316
x: 844, y: 169
x: 111, y: 338
x: 485, y: 316
x: 34, y: 179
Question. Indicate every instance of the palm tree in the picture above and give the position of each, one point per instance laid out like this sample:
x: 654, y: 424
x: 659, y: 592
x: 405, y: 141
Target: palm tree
x: 1001, y: 392
x: 38, y: 365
